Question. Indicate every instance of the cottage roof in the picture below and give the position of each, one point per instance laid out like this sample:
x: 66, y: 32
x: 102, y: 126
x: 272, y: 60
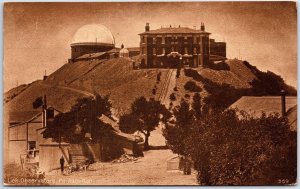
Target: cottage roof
x: 22, y: 116
x: 115, y: 126
x: 109, y: 121
x: 292, y: 117
x: 175, y: 30
x: 17, y: 117
x: 268, y: 104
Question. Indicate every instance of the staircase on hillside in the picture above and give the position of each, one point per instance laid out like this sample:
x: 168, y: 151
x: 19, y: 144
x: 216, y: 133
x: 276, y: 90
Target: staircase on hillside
x: 80, y: 153
x: 76, y: 154
x: 168, y: 87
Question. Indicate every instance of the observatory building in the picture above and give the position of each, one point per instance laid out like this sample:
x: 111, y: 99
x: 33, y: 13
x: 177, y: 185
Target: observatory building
x: 92, y: 38
x: 172, y: 46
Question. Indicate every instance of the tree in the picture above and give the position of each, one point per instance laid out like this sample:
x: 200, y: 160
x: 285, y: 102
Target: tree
x: 177, y: 133
x: 234, y: 148
x: 158, y: 77
x: 82, y: 118
x: 192, y: 86
x: 153, y: 91
x: 178, y: 72
x: 197, y: 105
x: 38, y: 102
x: 172, y: 97
x: 145, y: 116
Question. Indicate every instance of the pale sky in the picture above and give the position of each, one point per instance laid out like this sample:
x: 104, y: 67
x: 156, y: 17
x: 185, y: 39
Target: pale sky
x: 37, y: 36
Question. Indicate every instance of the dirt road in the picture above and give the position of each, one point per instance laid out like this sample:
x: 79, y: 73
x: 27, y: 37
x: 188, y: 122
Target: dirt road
x: 149, y: 170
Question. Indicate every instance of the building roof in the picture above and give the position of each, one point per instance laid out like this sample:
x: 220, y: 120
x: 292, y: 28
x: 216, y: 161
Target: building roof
x: 133, y: 49
x: 92, y: 55
x: 22, y: 116
x: 109, y: 121
x: 267, y: 104
x: 18, y: 117
x: 115, y: 50
x: 175, y: 30
x: 292, y: 117
x: 115, y: 126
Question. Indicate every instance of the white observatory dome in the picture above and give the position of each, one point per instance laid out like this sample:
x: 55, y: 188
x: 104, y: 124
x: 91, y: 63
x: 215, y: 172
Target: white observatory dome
x: 93, y: 33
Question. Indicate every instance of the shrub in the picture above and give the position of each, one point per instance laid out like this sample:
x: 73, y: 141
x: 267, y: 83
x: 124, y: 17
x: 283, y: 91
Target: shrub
x: 172, y: 97
x: 221, y: 95
x: 178, y: 72
x: 158, y: 77
x: 219, y: 66
x: 154, y: 91
x: 175, y: 89
x: 266, y: 152
x: 192, y: 86
x: 187, y: 96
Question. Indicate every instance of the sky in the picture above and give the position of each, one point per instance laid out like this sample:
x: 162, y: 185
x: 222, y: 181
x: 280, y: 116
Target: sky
x: 37, y: 36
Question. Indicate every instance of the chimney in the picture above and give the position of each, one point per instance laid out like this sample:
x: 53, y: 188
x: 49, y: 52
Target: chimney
x: 283, y: 108
x: 147, y: 27
x: 202, y: 27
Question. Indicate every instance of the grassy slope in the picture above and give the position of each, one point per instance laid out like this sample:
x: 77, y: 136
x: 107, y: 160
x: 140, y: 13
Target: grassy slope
x: 115, y: 77
x: 59, y: 98
x: 239, y: 76
x: 14, y: 92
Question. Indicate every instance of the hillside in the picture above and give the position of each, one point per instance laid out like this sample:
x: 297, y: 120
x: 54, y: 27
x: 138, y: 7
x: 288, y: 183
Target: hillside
x: 12, y: 93
x: 238, y: 76
x: 113, y: 77
x: 116, y: 78
x: 220, y: 88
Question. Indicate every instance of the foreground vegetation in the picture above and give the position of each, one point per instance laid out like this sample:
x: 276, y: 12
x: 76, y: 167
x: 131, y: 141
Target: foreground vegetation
x: 233, y: 148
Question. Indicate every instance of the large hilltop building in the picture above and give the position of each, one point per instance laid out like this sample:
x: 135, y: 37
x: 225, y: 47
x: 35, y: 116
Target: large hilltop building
x: 164, y: 47
x: 170, y: 46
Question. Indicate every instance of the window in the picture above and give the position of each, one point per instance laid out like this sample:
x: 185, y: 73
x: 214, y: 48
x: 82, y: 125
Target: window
x: 143, y: 39
x: 31, y: 145
x: 32, y: 148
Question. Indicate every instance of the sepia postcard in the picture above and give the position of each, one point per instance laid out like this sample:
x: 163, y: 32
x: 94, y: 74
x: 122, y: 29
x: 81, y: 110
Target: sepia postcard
x: 150, y: 93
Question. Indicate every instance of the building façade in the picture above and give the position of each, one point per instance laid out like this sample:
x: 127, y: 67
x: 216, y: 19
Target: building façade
x: 174, y: 46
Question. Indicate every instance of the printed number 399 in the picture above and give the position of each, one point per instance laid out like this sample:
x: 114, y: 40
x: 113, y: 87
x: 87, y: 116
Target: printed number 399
x: 283, y: 181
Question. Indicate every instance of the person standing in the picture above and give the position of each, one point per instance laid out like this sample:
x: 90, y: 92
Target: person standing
x: 62, y: 163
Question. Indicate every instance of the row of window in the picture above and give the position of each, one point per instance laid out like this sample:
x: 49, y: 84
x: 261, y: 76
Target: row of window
x: 181, y: 50
x: 169, y: 40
